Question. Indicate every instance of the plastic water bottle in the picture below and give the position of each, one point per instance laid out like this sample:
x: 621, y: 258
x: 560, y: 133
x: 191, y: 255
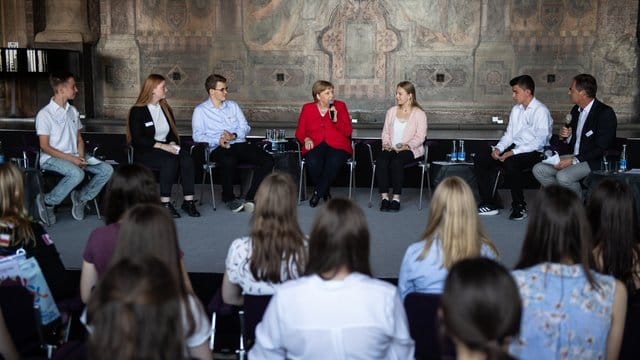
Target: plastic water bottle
x: 1, y: 154
x: 461, y: 155
x: 623, y: 159
x: 454, y: 152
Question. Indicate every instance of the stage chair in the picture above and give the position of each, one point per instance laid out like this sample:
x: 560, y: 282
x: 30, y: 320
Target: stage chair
x: 254, y: 308
x: 421, y: 162
x: 424, y: 327
x: 351, y: 162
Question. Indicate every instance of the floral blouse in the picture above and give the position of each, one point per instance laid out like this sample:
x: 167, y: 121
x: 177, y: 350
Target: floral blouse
x: 564, y: 317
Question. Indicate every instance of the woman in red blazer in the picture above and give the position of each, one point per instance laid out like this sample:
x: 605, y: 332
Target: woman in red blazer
x: 324, y: 130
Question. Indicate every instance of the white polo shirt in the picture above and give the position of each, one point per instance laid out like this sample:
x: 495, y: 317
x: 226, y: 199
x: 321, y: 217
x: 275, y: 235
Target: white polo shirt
x: 61, y: 124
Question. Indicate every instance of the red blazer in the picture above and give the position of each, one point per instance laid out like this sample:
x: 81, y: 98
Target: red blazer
x: 322, y: 129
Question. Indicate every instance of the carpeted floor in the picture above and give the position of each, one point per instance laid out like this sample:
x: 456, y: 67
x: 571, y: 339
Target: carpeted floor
x: 205, y: 240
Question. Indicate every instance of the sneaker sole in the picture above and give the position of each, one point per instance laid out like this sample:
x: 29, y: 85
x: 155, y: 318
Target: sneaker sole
x: 238, y: 209
x: 518, y: 219
x: 489, y: 213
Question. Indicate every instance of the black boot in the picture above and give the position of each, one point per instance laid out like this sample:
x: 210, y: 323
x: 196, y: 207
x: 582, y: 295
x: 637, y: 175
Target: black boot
x: 172, y: 210
x: 315, y: 199
x: 189, y: 206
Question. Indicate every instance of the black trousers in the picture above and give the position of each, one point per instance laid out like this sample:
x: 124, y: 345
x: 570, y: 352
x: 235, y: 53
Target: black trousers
x: 324, y: 163
x: 168, y: 165
x: 390, y: 170
x: 485, y: 168
x: 227, y: 160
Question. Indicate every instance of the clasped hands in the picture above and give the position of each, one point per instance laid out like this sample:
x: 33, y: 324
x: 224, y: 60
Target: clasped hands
x: 399, y: 147
x: 171, y: 147
x: 226, y: 138
x: 495, y: 154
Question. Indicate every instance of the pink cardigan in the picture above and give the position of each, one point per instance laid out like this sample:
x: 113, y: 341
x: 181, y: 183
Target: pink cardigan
x: 414, y: 133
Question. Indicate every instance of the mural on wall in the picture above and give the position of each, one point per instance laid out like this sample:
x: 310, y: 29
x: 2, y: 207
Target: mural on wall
x: 272, y: 24
x: 359, y: 41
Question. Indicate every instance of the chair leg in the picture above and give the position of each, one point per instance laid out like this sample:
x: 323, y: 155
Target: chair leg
x: 495, y: 184
x: 373, y: 176
x: 428, y: 180
x: 300, y: 183
x: 204, y: 177
x: 423, y: 167
x: 95, y: 203
x: 351, y: 168
x: 213, y: 196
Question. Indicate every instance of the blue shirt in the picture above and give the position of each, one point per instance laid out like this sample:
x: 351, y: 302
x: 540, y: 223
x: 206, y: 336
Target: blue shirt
x: 563, y: 317
x: 427, y: 275
x: 208, y: 122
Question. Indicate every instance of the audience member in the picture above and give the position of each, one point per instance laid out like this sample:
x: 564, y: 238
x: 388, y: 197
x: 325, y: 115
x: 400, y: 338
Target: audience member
x: 453, y: 233
x: 147, y: 230
x: 528, y: 131
x: 62, y: 151
x: 403, y: 135
x: 570, y: 311
x: 18, y: 230
x: 614, y: 223
x: 591, y: 132
x: 136, y: 313
x: 337, y: 311
x: 151, y: 130
x: 130, y: 185
x: 324, y: 130
x: 276, y: 250
x: 481, y: 309
x: 221, y: 123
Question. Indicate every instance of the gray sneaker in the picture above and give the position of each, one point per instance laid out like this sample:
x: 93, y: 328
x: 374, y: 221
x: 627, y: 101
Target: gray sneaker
x: 45, y: 212
x: 249, y: 206
x: 77, y: 210
x: 235, y: 205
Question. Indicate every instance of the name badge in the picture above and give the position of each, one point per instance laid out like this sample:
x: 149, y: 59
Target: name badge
x: 147, y: 124
x: 589, y: 133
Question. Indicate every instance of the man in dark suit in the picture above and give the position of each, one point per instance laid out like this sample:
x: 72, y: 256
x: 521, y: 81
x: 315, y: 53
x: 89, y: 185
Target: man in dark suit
x: 591, y: 132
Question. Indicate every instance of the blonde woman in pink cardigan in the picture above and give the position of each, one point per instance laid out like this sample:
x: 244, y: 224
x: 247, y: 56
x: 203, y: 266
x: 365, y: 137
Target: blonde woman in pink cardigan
x: 403, y: 135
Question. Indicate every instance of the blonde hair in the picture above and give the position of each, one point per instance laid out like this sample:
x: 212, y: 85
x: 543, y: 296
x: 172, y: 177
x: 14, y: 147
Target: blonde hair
x: 144, y: 98
x: 318, y: 87
x: 12, y: 210
x: 453, y: 219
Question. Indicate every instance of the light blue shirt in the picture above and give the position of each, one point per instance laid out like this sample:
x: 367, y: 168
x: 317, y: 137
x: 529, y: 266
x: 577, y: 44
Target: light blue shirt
x: 427, y: 275
x: 208, y: 122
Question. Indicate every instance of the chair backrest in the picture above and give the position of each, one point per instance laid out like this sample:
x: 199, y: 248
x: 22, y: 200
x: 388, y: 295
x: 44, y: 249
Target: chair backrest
x: 424, y: 326
x: 254, y: 307
x: 22, y: 319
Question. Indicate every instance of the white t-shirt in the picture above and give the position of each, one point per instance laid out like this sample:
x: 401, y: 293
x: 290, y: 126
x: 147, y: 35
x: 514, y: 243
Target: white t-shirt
x: 398, y: 131
x: 61, y: 124
x: 239, y: 272
x: 358, y: 317
x: 160, y: 122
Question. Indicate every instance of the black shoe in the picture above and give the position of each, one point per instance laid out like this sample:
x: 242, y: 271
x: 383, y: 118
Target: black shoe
x: 394, y: 206
x: 315, y: 199
x: 327, y: 197
x: 172, y: 210
x: 519, y: 212
x: 189, y: 206
x: 384, y: 205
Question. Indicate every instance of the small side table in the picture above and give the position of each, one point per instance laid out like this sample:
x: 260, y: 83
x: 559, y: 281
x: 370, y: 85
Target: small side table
x: 440, y: 170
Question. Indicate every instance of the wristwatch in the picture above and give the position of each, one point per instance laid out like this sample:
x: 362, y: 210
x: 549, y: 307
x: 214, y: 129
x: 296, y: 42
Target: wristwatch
x: 574, y: 161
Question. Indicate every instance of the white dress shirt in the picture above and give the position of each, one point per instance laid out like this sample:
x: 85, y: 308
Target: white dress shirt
x: 529, y: 128
x: 358, y: 317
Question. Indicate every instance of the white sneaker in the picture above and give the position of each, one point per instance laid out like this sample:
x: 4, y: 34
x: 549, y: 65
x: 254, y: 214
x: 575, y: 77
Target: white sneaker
x: 249, y: 206
x: 77, y: 210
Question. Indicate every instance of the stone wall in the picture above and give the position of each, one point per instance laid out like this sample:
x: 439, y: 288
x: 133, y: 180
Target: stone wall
x: 459, y: 53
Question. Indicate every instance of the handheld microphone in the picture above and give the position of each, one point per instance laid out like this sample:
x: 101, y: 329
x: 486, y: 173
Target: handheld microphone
x: 567, y: 121
x: 332, y: 110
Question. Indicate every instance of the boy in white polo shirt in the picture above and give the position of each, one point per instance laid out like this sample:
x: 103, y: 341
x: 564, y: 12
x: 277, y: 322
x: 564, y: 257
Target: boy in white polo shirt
x: 62, y: 150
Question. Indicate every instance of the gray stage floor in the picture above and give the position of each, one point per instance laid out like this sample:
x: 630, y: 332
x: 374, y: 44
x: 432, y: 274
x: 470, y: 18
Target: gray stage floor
x: 205, y: 240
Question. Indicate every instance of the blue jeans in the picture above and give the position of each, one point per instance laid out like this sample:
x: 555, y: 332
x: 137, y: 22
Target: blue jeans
x: 72, y: 177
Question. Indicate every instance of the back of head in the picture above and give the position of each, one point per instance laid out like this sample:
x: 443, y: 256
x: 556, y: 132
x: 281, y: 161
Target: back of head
x: 339, y: 239
x: 558, y: 230
x: 11, y: 191
x: 148, y: 230
x: 481, y: 306
x: 453, y: 218
x: 275, y: 232
x: 130, y: 184
x: 614, y: 223
x: 135, y: 312
x: 12, y: 208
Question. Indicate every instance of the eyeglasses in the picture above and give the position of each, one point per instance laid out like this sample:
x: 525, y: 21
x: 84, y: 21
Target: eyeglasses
x: 224, y: 89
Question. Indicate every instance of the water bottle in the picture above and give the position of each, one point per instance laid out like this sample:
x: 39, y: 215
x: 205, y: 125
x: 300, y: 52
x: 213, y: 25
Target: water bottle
x: 454, y: 152
x: 461, y: 155
x: 1, y: 154
x: 623, y: 159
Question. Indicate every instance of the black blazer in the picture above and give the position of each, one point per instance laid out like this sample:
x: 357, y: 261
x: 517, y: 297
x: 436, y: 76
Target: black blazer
x: 598, y: 133
x: 142, y: 135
